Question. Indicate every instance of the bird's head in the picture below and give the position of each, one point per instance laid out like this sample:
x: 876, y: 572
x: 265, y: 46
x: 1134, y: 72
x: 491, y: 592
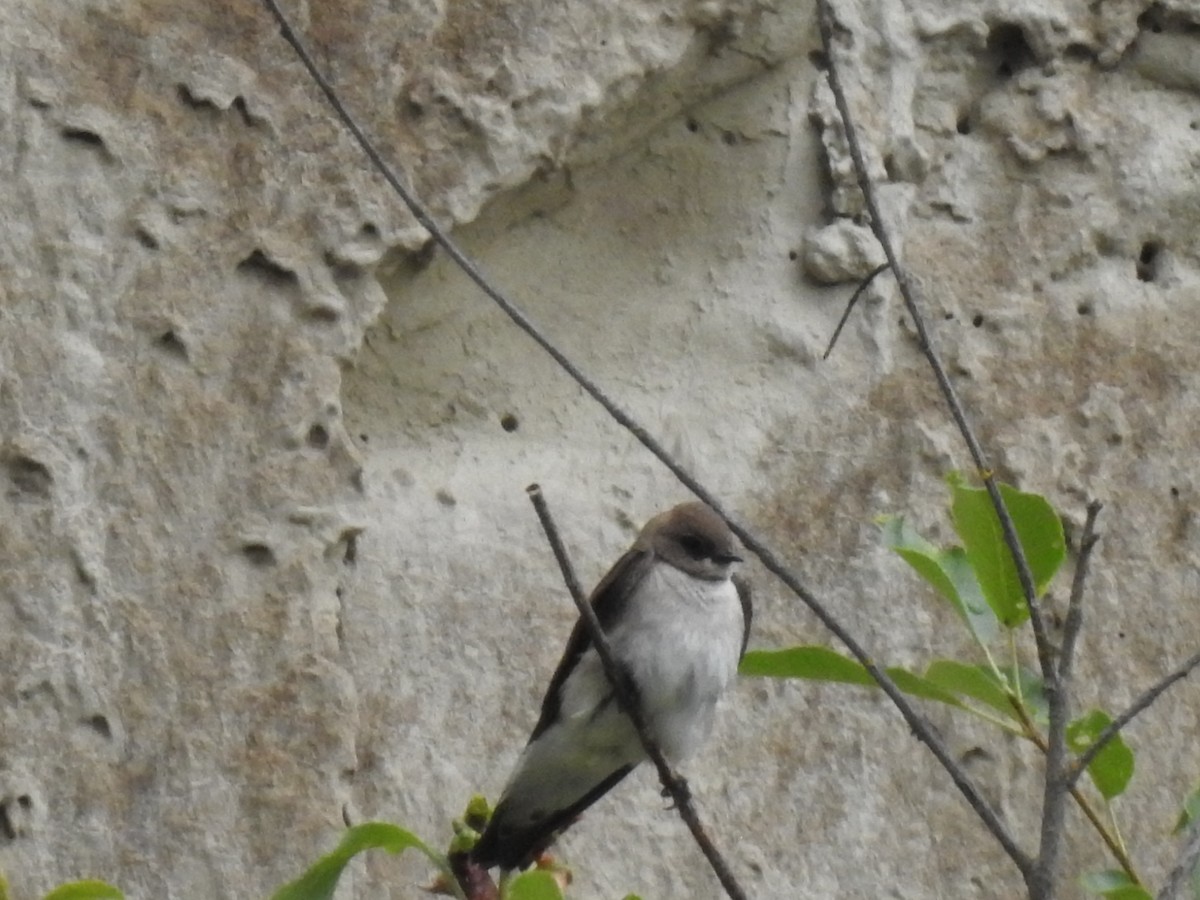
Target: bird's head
x: 694, y: 539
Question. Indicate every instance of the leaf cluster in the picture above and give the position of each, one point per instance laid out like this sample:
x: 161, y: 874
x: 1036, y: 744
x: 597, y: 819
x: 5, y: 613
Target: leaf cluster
x: 978, y: 579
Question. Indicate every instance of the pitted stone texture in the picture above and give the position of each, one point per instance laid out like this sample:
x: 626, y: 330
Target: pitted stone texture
x: 187, y: 259
x: 1016, y: 171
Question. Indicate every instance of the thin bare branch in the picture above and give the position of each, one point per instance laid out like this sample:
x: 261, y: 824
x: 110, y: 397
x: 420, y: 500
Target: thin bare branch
x: 474, y: 881
x: 908, y: 293
x: 1111, y: 841
x: 674, y: 784
x: 1138, y: 706
x: 770, y: 560
x: 1181, y: 882
x: 858, y: 292
x: 1055, y: 787
x: 1074, y: 619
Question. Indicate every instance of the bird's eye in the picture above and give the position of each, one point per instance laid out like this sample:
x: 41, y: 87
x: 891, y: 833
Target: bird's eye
x: 695, y: 547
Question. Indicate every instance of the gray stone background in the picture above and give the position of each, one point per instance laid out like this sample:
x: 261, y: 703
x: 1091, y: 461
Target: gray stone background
x: 266, y: 561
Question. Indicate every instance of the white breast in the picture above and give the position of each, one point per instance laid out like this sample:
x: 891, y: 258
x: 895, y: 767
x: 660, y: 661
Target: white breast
x: 681, y: 639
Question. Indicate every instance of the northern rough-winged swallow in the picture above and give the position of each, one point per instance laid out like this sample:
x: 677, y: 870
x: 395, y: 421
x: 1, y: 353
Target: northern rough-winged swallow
x: 678, y: 622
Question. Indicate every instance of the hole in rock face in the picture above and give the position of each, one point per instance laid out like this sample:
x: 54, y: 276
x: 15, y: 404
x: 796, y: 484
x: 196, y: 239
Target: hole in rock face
x: 1152, y: 19
x: 83, y: 136
x: 259, y: 554
x: 170, y: 343
x: 239, y: 105
x: 99, y: 724
x: 318, y: 437
x: 963, y: 125
x: 7, y: 830
x: 28, y: 477
x: 350, y: 554
x: 145, y: 238
x: 509, y: 422
x: 259, y: 265
x: 1009, y: 49
x: 1078, y: 52
x: 1149, y: 261
x: 977, y: 320
x: 889, y: 166
x: 185, y: 95
x: 323, y: 314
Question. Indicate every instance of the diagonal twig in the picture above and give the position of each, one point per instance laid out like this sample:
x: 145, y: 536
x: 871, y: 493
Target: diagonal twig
x: 1056, y: 787
x: 1138, y: 706
x: 1110, y: 840
x: 770, y: 560
x: 908, y: 294
x: 619, y: 678
x: 858, y: 292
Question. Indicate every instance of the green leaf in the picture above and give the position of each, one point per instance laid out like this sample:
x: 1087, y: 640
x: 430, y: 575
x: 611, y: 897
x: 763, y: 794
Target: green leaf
x: 319, y: 882
x: 917, y: 686
x: 536, y: 884
x: 1189, y: 813
x: 1039, y: 531
x: 815, y: 663
x: 1112, y: 768
x: 1113, y: 883
x: 949, y: 573
x: 85, y: 890
x: 977, y: 682
x: 810, y: 663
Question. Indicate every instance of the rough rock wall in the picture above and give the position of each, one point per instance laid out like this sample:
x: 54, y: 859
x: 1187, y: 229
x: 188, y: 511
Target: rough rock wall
x: 267, y: 564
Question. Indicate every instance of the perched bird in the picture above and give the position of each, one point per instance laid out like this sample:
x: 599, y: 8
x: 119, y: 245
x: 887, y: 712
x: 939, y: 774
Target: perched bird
x: 678, y: 621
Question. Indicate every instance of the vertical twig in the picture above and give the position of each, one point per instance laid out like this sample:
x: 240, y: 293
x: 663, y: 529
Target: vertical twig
x: 908, y: 294
x: 1055, y: 786
x: 1074, y: 620
x: 618, y: 677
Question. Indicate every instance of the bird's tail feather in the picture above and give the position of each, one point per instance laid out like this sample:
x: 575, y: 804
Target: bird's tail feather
x: 511, y: 846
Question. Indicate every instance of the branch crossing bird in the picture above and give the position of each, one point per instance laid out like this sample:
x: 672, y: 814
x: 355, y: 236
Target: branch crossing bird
x: 677, y: 619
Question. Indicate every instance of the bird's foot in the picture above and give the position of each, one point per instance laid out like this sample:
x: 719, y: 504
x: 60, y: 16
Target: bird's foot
x: 681, y: 788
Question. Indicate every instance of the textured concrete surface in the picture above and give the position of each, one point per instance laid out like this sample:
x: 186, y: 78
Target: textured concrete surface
x: 266, y: 562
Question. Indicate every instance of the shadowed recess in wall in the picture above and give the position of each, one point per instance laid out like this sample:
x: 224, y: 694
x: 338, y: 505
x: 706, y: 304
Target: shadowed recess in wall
x: 259, y: 265
x: 26, y: 476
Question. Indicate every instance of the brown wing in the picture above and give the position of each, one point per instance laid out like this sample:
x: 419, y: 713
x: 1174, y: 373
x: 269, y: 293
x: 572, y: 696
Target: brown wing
x: 743, y: 590
x: 608, y: 600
